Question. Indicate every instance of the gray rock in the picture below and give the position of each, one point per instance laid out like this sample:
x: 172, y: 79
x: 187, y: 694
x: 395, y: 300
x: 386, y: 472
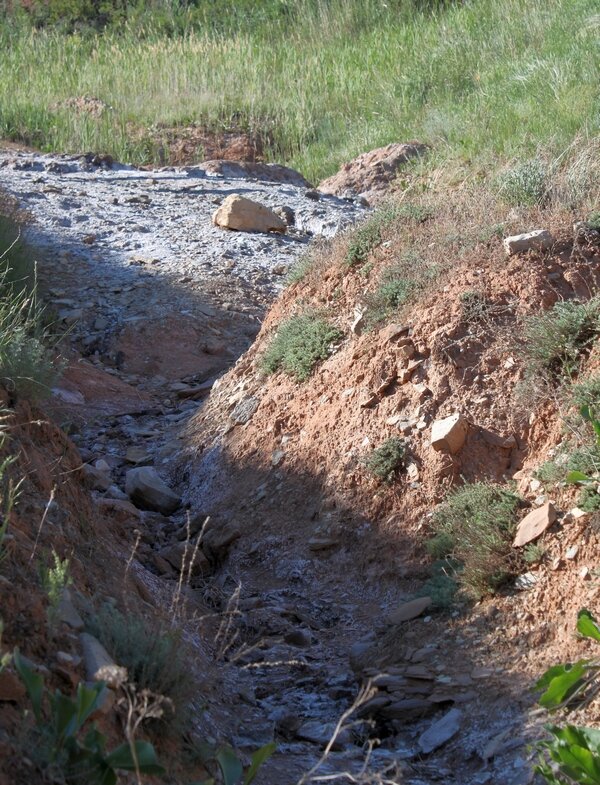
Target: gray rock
x: 148, y: 492
x: 67, y: 612
x: 441, y: 731
x: 244, y: 411
x: 99, y: 665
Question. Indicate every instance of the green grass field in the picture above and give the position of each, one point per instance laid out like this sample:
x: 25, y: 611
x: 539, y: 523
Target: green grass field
x: 485, y: 80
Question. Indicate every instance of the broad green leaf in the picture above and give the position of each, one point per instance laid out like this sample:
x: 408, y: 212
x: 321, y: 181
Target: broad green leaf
x: 89, y: 699
x: 34, y: 684
x: 64, y: 715
x: 565, y: 679
x: 230, y: 764
x: 575, y: 477
x: 258, y: 758
x: 122, y: 758
x: 587, y: 625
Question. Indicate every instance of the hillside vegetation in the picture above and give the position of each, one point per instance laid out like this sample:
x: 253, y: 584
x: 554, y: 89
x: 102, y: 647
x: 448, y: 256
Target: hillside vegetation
x: 318, y: 82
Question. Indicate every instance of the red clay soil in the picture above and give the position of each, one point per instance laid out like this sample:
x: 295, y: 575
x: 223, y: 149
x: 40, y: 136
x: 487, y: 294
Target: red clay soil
x: 299, y: 459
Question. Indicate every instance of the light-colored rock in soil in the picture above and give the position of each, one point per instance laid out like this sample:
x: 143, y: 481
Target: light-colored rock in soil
x: 148, y: 492
x: 409, y: 610
x: 67, y: 612
x: 244, y: 411
x: 99, y: 665
x: 441, y: 731
x: 533, y: 524
x: 136, y: 454
x: 245, y: 215
x: 449, y: 434
x: 538, y: 240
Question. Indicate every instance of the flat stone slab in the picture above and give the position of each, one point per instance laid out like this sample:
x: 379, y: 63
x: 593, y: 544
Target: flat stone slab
x: 409, y: 610
x: 534, y: 524
x: 441, y: 731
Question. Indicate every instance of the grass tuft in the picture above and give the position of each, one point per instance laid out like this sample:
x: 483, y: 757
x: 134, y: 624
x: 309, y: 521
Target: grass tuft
x: 556, y: 339
x: 154, y: 658
x: 475, y: 526
x: 398, y: 285
x: 299, y: 344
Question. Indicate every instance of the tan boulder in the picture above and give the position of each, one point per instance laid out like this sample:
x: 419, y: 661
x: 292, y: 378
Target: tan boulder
x: 245, y: 215
x: 533, y: 524
x: 449, y: 434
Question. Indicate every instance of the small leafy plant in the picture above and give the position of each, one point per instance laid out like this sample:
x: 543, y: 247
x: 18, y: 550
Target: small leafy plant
x: 385, y: 460
x: 299, y: 344
x: 66, y: 747
x: 54, y: 580
x: 572, y: 754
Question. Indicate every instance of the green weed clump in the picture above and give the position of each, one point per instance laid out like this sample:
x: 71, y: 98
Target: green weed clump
x: 155, y: 658
x: 365, y: 238
x: 526, y: 184
x: 475, y: 526
x: 27, y: 368
x: 556, y: 339
x: 398, y: 285
x: 299, y: 344
x: 385, y: 461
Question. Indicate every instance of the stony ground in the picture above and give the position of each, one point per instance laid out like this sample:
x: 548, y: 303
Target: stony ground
x: 158, y: 303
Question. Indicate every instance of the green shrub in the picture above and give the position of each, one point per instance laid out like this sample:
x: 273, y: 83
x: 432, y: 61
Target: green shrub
x: 550, y: 472
x: 398, y: 285
x: 385, y: 460
x: 589, y: 499
x: 27, y: 368
x: 365, y: 238
x: 155, y: 658
x: 593, y: 221
x: 441, y: 587
x: 299, y: 344
x: 526, y: 183
x: 587, y: 393
x: 475, y: 526
x: 533, y: 553
x: 555, y: 339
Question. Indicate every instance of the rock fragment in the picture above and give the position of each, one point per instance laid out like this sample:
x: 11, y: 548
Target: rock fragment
x: 538, y: 240
x: 441, y: 731
x: 409, y: 610
x: 148, y: 492
x: 244, y: 215
x: 533, y: 524
x: 449, y: 434
x: 99, y: 665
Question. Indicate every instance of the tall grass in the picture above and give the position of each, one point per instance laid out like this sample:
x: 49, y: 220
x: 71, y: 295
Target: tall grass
x: 475, y: 79
x: 27, y: 367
